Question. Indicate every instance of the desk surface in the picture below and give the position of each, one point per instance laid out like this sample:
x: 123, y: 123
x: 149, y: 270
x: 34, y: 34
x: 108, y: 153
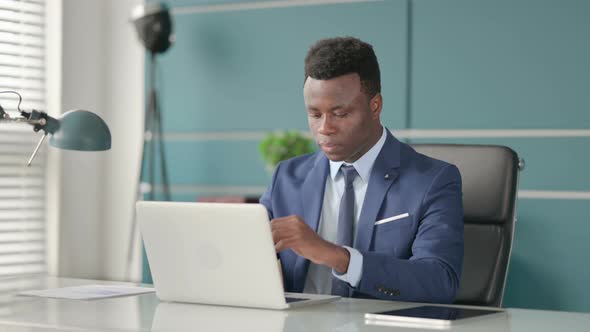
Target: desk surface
x: 146, y: 313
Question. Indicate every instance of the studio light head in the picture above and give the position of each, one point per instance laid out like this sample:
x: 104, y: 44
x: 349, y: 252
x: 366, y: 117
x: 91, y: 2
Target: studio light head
x: 154, y: 26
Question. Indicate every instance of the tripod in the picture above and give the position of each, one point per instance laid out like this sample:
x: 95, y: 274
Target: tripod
x: 147, y: 167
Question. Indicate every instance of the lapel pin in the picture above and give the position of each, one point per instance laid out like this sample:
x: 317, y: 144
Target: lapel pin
x: 386, y: 176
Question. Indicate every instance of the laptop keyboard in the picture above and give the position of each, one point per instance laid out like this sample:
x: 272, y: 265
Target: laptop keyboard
x: 293, y: 299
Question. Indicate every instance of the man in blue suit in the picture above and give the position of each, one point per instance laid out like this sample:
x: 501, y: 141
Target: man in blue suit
x: 367, y: 216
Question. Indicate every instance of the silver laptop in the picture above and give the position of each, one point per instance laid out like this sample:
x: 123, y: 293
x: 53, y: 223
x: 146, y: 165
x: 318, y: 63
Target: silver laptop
x: 215, y: 253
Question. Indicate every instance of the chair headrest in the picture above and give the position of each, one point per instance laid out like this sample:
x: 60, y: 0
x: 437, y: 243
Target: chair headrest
x: 489, y: 174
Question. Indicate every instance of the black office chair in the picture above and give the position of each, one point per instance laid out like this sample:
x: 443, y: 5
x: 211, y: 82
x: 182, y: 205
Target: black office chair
x: 490, y: 183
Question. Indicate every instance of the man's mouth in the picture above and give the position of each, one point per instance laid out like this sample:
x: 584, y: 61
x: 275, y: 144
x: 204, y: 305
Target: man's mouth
x: 328, y: 146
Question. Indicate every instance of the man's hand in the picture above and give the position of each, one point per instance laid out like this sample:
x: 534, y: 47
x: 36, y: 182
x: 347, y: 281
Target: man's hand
x: 292, y: 233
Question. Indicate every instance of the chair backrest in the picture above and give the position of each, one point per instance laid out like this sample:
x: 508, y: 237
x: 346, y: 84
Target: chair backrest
x: 490, y: 183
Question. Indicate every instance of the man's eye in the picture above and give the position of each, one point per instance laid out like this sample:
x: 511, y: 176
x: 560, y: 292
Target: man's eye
x: 341, y: 115
x: 315, y: 115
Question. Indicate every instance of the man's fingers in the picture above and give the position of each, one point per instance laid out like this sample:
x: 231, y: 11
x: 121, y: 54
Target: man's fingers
x: 289, y: 233
x: 278, y: 235
x: 280, y: 228
x: 281, y: 245
x: 283, y: 226
x: 281, y: 219
x: 291, y: 218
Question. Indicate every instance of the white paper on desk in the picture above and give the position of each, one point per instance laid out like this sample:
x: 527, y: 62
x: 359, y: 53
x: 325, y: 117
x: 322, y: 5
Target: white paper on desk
x: 88, y: 292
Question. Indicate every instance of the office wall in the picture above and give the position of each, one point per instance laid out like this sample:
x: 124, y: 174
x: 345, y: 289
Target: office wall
x: 236, y: 73
x: 474, y: 71
x: 519, y: 65
x: 79, y: 188
x: 95, y: 63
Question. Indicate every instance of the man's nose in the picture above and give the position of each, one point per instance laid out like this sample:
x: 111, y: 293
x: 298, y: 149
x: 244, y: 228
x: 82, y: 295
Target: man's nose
x: 327, y: 126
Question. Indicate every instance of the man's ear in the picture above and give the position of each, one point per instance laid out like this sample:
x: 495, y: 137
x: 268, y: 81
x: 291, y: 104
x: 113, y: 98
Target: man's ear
x: 376, y: 105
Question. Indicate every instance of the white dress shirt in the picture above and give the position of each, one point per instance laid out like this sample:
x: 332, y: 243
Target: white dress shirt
x: 319, y: 277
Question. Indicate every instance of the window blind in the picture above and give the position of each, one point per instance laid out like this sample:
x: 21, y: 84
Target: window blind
x: 22, y: 188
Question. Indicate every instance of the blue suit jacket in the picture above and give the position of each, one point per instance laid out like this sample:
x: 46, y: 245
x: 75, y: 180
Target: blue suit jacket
x: 417, y: 258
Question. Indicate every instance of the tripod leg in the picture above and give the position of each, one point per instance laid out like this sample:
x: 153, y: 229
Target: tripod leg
x: 138, y: 197
x: 147, y: 151
x: 160, y: 141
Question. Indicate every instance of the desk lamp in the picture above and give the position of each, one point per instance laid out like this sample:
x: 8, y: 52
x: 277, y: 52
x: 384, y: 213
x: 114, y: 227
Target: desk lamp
x: 74, y: 130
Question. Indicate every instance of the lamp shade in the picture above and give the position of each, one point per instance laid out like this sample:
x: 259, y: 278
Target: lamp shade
x: 81, y: 130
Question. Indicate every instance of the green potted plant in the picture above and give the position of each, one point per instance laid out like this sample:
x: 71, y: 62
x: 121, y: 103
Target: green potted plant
x: 279, y: 146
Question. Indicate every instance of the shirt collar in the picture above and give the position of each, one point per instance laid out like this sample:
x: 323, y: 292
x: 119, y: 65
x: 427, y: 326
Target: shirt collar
x: 364, y: 164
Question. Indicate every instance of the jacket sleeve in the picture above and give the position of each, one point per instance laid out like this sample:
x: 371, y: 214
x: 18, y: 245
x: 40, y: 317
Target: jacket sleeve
x: 266, y: 198
x: 433, y: 271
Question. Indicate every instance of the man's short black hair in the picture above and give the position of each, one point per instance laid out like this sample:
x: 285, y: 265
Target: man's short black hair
x: 333, y: 57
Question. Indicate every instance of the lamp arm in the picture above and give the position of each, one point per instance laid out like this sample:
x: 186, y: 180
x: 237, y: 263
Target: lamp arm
x: 39, y: 121
x: 36, y: 149
x: 74, y: 130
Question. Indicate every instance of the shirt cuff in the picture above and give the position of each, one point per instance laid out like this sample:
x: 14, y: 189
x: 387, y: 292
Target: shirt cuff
x: 355, y: 268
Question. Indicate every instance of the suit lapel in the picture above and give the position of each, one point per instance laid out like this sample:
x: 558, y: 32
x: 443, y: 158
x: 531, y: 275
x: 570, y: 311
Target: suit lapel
x: 312, y: 198
x: 383, y: 174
